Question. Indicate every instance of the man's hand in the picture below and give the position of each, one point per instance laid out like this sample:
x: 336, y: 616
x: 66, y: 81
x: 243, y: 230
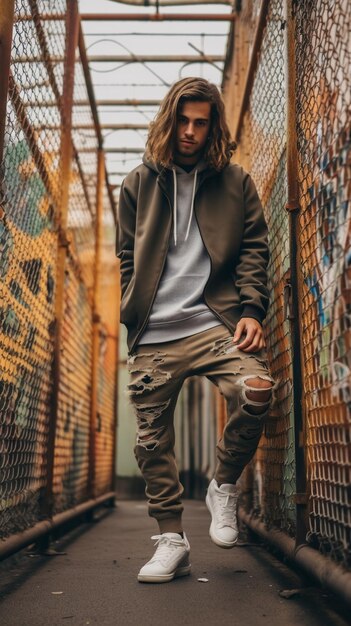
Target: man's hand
x: 254, y: 339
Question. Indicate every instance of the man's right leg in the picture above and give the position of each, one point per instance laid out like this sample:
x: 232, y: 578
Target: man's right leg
x: 153, y: 389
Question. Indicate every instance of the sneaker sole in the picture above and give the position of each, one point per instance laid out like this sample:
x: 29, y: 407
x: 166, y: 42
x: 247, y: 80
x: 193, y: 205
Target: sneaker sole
x: 219, y: 542
x: 165, y: 578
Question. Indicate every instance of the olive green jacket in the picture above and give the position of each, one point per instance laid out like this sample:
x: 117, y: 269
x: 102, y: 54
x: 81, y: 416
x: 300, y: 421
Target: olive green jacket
x: 233, y: 229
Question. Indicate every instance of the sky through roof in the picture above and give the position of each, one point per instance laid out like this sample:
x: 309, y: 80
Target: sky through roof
x: 124, y: 75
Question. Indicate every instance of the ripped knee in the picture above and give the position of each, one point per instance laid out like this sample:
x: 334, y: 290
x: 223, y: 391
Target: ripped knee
x: 148, y: 432
x: 256, y: 393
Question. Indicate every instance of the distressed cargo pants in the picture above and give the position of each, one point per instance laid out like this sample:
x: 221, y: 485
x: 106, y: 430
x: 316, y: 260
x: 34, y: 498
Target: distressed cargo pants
x: 157, y: 372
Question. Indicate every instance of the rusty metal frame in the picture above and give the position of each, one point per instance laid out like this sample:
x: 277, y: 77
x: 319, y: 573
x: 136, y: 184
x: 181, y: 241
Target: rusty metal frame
x: 47, y: 61
x: 86, y: 103
x: 72, y: 24
x: 44, y: 48
x: 7, y: 15
x: 296, y: 280
x: 128, y: 60
x: 8, y: 88
x: 96, y: 321
x: 94, y: 109
x: 250, y: 75
x: 142, y: 17
x: 101, y: 126
x: 131, y: 150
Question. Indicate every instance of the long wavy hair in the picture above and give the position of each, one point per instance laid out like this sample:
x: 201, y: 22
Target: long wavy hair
x: 162, y: 131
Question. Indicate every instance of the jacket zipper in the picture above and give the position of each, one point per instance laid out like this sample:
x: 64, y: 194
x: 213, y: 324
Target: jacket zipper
x: 209, y: 256
x: 157, y: 284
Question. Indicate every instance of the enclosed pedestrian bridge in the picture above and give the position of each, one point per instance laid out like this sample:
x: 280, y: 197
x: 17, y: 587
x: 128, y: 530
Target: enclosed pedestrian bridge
x: 80, y: 83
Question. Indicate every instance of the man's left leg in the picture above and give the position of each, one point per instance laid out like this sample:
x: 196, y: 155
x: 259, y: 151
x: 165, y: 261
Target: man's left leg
x: 244, y: 380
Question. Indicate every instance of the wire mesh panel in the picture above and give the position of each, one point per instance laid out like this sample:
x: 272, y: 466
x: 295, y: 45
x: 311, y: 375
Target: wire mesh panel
x: 82, y: 206
x: 27, y: 288
x: 31, y: 185
x: 71, y: 467
x: 262, y: 151
x: 109, y: 290
x: 323, y: 99
x: 105, y: 426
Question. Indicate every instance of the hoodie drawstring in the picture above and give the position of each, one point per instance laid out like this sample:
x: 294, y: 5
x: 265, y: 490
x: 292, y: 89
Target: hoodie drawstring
x: 192, y: 205
x: 175, y: 206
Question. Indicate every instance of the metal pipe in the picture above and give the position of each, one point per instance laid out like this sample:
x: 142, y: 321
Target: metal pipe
x: 45, y: 57
x: 96, y: 320
x: 86, y: 103
x: 174, y: 33
x: 296, y: 280
x: 72, y: 23
x: 122, y: 58
x: 321, y: 568
x: 47, y: 60
x: 89, y: 84
x: 6, y: 28
x: 113, y: 150
x: 92, y: 127
x: 21, y: 540
x: 94, y: 109
x: 140, y: 17
x: 262, y: 18
x: 83, y: 180
x: 159, y: 17
x: 170, y: 3
x: 116, y: 385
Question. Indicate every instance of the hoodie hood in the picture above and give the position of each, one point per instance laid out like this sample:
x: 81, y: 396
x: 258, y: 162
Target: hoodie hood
x: 177, y: 170
x: 159, y: 169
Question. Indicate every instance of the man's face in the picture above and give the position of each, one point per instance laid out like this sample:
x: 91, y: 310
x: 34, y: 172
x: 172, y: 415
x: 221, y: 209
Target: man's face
x: 193, y: 127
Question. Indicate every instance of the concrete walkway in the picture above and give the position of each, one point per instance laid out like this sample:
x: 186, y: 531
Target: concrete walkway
x: 95, y: 581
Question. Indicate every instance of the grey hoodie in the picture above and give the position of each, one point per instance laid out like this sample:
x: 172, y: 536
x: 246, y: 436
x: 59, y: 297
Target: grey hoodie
x: 179, y: 309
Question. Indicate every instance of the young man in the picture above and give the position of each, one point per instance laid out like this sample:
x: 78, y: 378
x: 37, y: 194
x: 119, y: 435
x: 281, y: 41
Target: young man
x: 193, y: 248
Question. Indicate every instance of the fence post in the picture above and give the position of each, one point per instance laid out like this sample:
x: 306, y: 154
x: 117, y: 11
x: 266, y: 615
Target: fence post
x: 295, y: 295
x: 115, y: 411
x: 96, y: 320
x: 72, y: 26
x: 6, y: 28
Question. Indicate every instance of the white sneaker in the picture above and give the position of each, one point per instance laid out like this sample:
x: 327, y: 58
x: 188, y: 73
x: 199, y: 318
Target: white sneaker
x: 170, y: 560
x: 222, y: 503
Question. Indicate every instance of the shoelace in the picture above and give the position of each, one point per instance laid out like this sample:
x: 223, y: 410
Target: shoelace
x: 225, y: 504
x: 164, y: 545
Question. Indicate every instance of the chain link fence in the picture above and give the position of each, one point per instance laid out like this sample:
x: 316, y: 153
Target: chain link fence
x: 31, y: 192
x: 323, y: 94
x: 262, y: 151
x: 323, y: 105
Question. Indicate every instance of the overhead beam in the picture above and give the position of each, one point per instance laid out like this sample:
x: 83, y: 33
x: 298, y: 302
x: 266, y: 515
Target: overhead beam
x: 122, y: 58
x: 140, y: 17
x: 92, y: 127
x: 168, y: 3
x: 158, y: 17
x: 115, y: 150
x: 112, y: 103
x: 94, y: 110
